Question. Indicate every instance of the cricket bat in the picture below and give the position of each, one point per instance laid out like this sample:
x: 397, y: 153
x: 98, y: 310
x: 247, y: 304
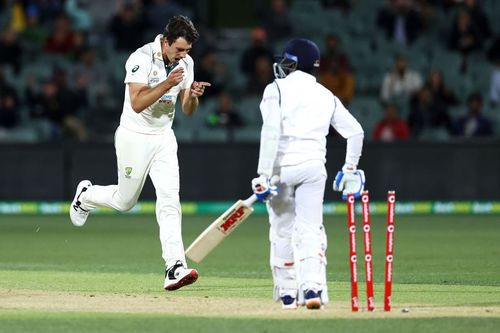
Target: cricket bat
x: 222, y: 227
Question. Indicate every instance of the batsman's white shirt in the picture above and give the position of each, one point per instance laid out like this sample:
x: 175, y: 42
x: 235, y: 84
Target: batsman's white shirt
x: 301, y: 110
x: 146, y: 66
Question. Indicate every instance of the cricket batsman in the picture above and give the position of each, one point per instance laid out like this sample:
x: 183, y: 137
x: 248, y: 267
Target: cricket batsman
x: 297, y: 113
x: 157, y: 74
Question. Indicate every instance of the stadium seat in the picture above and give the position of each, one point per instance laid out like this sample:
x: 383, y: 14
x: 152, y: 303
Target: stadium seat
x: 367, y: 111
x: 249, y: 109
x: 210, y: 135
x: 247, y: 134
x: 438, y: 134
x: 306, y: 6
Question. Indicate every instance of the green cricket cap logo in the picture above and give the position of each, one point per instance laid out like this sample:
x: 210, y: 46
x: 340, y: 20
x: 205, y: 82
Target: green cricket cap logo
x: 128, y: 171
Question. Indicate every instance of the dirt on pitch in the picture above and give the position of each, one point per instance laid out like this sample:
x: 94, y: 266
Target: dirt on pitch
x: 214, y: 306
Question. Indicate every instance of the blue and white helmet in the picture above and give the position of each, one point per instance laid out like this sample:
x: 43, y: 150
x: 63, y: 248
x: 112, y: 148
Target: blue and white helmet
x: 298, y: 54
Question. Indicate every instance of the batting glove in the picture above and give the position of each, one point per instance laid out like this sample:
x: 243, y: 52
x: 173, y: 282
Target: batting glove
x: 349, y: 181
x: 263, y: 189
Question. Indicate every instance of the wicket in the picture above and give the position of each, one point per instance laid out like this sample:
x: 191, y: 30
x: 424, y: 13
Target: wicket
x: 367, y: 237
x: 351, y: 224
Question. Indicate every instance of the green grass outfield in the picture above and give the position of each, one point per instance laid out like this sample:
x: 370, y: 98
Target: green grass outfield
x: 107, y: 277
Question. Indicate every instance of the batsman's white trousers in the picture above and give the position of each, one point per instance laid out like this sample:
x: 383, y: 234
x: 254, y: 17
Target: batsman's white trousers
x: 297, y: 235
x: 137, y: 156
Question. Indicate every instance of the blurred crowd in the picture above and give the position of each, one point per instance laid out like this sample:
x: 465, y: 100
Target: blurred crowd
x: 407, y: 69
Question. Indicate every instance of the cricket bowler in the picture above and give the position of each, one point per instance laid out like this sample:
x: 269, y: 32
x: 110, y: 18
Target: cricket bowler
x: 157, y: 74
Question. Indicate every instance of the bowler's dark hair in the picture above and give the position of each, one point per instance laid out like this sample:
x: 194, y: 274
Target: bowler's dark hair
x: 180, y: 26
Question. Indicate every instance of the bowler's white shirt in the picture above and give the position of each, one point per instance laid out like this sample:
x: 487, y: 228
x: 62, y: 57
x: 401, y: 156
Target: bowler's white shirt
x: 304, y: 110
x: 146, y: 66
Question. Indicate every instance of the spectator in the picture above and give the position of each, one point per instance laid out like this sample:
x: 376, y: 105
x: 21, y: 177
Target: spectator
x: 391, y: 127
x: 400, y: 21
x: 79, y: 14
x: 225, y: 115
x: 276, y: 21
x: 88, y: 70
x: 257, y: 49
x: 339, y: 81
x: 11, y: 53
x: 127, y: 27
x: 439, y: 90
x: 478, y: 18
x: 34, y: 34
x: 62, y: 39
x: 261, y: 77
x: 159, y: 11
x: 464, y: 37
x: 333, y: 51
x: 56, y: 107
x: 401, y: 82
x: 494, y: 57
x: 495, y: 86
x: 49, y: 9
x: 427, y: 113
x: 474, y: 123
x: 17, y: 16
x: 213, y: 71
x: 9, y: 105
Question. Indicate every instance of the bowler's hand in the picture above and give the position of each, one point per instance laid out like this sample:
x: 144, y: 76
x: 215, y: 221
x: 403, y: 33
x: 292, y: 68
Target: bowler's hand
x: 175, y: 77
x: 198, y: 88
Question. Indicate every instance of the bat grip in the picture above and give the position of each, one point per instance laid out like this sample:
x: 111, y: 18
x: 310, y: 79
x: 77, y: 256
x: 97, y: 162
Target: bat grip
x: 250, y: 200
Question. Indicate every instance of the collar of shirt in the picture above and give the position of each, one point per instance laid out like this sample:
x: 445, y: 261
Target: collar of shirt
x: 300, y: 75
x: 157, y: 48
x: 157, y: 54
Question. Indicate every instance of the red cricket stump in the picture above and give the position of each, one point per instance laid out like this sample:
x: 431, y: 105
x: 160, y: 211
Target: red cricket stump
x: 351, y: 225
x: 389, y: 249
x: 367, y: 237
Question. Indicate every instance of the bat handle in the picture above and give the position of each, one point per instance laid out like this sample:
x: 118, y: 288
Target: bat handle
x: 250, y: 200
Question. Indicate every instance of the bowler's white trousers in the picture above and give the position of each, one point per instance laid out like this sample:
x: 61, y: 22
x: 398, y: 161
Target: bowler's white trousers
x: 137, y: 156
x: 297, y: 236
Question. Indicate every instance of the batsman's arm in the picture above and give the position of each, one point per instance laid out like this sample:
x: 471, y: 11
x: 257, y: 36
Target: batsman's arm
x: 350, y: 129
x: 271, y: 130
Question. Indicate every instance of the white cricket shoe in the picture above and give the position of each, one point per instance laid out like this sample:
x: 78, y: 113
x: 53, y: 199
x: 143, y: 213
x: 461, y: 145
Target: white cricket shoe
x: 313, y: 299
x: 178, y: 276
x: 77, y: 214
x: 288, y: 302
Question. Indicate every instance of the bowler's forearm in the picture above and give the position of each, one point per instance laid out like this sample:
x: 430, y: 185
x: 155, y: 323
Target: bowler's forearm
x: 143, y: 97
x: 190, y: 105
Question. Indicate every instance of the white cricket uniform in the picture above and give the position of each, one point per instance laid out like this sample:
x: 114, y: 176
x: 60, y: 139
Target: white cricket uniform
x: 145, y: 144
x: 297, y: 113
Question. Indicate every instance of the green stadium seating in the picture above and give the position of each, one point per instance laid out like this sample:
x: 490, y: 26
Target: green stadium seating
x: 367, y: 110
x: 249, y: 109
x: 247, y: 134
x: 210, y: 135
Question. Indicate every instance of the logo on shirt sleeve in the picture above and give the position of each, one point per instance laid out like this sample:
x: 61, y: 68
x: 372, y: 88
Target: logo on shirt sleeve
x: 128, y: 171
x: 136, y: 67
